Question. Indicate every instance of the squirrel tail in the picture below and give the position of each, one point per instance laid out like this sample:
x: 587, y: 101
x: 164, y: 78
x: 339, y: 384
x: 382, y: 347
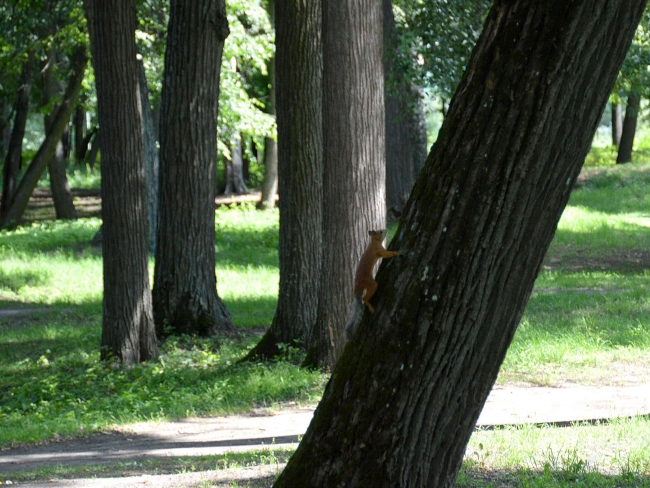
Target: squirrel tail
x: 354, y: 317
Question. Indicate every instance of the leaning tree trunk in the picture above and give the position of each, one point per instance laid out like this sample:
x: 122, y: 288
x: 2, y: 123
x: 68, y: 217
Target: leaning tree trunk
x: 13, y: 158
x: 403, y: 399
x: 629, y: 127
x: 127, y: 324
x: 185, y: 285
x: 18, y: 204
x: 61, y: 193
x: 354, y: 192
x: 299, y: 77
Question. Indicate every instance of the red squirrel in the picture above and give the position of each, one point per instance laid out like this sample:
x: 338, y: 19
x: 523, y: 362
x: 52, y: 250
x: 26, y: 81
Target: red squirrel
x: 365, y: 285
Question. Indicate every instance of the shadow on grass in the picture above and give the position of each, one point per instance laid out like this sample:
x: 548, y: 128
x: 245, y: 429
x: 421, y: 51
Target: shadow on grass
x: 16, y: 279
x: 247, y: 246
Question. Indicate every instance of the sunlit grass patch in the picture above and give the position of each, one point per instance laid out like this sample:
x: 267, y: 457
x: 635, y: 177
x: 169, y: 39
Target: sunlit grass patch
x: 610, y: 454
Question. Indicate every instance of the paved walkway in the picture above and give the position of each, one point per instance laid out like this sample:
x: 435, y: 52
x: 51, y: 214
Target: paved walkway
x: 219, y: 435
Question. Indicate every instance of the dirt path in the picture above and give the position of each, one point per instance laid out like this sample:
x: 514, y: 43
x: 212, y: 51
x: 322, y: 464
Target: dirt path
x: 282, y: 428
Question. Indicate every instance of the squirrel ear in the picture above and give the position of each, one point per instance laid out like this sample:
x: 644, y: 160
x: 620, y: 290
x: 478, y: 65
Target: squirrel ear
x: 371, y: 232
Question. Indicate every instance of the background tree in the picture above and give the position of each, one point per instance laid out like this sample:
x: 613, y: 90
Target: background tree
x: 244, y: 99
x: 404, y: 397
x: 185, y: 288
x: 300, y: 172
x: 406, y: 136
x: 631, y: 86
x: 353, y: 158
x: 16, y: 207
x: 127, y: 323
x: 13, y: 157
x: 437, y: 38
x: 270, y: 183
x: 61, y: 193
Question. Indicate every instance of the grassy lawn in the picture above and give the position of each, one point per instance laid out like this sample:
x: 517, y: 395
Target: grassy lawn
x: 587, y: 322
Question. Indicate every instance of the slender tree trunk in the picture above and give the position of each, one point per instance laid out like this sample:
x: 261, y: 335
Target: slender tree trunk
x: 15, y: 210
x: 299, y: 59
x: 79, y: 124
x: 617, y: 123
x: 234, y: 174
x: 61, y: 194
x: 5, y: 127
x: 185, y: 285
x: 418, y: 130
x: 150, y: 156
x: 94, y: 149
x: 127, y: 323
x: 403, y: 399
x: 354, y: 175
x: 13, y: 158
x: 629, y: 127
x: 270, y: 184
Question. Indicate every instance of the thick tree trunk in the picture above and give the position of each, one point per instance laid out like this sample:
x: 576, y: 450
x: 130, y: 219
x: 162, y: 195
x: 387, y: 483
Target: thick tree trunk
x: 299, y: 63
x: 185, y: 285
x: 234, y: 174
x: 354, y: 192
x: 61, y: 194
x: 404, y: 398
x: 151, y: 160
x: 629, y: 127
x: 617, y: 123
x: 13, y: 159
x: 45, y: 153
x: 127, y: 324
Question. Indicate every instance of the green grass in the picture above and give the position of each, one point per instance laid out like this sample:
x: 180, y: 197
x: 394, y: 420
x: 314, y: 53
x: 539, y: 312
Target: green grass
x: 51, y: 380
x: 613, y: 454
x: 588, y: 321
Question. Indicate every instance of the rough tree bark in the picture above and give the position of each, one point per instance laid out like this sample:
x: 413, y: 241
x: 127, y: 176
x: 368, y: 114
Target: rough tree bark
x: 151, y: 160
x: 61, y: 193
x: 629, y: 127
x: 299, y: 74
x: 46, y: 151
x: 354, y: 192
x: 13, y: 157
x: 617, y: 123
x: 405, y: 395
x: 185, y: 284
x: 128, y: 334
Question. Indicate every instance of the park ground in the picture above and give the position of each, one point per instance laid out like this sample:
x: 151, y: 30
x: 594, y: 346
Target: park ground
x: 570, y: 407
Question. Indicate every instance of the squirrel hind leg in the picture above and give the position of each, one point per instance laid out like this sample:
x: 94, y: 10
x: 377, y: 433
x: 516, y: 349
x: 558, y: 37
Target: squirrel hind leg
x: 370, y: 291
